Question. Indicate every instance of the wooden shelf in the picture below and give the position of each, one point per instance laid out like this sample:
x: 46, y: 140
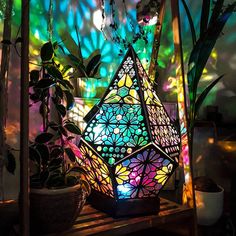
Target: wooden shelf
x: 171, y: 217
x: 94, y: 222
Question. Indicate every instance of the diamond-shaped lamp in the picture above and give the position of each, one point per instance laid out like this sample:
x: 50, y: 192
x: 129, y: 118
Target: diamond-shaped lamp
x: 129, y: 147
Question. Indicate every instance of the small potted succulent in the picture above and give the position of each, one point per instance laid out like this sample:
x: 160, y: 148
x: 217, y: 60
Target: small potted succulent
x: 58, y: 187
x: 209, y: 200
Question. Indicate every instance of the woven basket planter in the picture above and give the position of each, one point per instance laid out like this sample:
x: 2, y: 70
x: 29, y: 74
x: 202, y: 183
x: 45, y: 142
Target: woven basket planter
x: 55, y: 210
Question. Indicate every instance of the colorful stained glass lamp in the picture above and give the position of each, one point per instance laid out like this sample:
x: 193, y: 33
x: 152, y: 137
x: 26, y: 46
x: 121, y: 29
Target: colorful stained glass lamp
x: 129, y: 147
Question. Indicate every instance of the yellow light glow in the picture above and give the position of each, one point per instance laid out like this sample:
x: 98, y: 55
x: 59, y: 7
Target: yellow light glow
x: 36, y: 34
x: 211, y: 140
x: 228, y: 146
x: 128, y: 82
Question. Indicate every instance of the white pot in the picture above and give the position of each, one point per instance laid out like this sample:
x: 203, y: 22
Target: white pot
x: 209, y: 206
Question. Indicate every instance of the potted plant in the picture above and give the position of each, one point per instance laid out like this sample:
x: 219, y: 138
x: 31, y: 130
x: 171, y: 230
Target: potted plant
x: 211, y: 26
x: 58, y: 187
x: 209, y: 200
x: 85, y: 71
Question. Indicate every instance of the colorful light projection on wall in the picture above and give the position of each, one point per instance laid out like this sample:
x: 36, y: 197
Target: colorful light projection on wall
x: 130, y: 145
x: 80, y: 109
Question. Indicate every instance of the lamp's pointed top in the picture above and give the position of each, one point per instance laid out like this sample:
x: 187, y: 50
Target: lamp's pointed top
x: 131, y: 51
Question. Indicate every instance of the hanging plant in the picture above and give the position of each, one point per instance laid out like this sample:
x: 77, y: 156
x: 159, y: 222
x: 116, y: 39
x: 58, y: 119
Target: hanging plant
x: 111, y: 30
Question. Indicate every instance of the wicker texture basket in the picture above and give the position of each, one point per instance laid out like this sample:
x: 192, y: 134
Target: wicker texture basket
x: 55, y: 210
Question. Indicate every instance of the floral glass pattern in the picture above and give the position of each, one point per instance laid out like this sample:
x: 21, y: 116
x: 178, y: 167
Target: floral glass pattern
x: 130, y: 140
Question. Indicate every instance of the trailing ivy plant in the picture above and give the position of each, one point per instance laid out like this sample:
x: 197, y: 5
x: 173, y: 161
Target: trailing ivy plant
x: 53, y: 155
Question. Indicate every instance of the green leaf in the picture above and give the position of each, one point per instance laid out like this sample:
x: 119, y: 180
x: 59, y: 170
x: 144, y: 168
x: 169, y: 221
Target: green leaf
x: 54, y: 72
x: 56, y: 180
x: 75, y: 59
x: 44, y: 152
x: 35, y: 181
x: 92, y: 64
x: 70, y: 43
x: 59, y: 91
x: 55, y: 45
x: 56, y: 152
x: 53, y: 125
x: 63, y: 83
x: 204, y: 94
x: 190, y: 20
x: 70, y: 102
x: 78, y: 64
x: 63, y: 131
x: 43, y: 109
x: 35, y: 97
x: 204, y: 16
x: 69, y: 85
x: 11, y: 162
x: 34, y: 76
x: 71, y: 180
x: 70, y: 154
x: 45, y: 84
x: 61, y: 49
x: 69, y: 138
x: 203, y: 48
x: 34, y: 154
x: 96, y: 69
x: 44, y: 176
x: 73, y: 128
x: 44, y: 137
x: 218, y: 5
x: 47, y: 52
x: 61, y: 109
x: 66, y: 68
x: 56, y: 162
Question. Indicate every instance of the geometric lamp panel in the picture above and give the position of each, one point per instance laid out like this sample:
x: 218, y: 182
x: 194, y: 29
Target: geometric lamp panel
x: 129, y: 145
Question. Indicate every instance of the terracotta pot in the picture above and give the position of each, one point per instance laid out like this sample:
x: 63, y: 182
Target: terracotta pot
x: 54, y: 210
x: 209, y: 206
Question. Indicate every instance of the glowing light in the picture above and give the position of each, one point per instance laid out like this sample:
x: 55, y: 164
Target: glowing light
x: 119, y: 134
x: 123, y: 189
x: 227, y: 146
x: 97, y: 19
x: 8, y: 202
x: 211, y: 140
x: 36, y: 34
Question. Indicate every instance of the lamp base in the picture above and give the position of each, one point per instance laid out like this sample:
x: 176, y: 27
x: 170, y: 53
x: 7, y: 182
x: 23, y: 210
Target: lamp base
x: 124, y: 207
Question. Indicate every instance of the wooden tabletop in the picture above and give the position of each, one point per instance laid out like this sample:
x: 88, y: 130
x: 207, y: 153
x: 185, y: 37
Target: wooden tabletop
x: 94, y: 222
